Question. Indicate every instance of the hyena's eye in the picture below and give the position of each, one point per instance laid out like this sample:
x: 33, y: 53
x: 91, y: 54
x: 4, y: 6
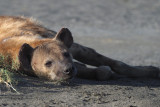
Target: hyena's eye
x: 66, y: 54
x: 48, y: 64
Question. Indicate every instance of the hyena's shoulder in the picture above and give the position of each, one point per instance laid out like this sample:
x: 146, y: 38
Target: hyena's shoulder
x: 11, y: 26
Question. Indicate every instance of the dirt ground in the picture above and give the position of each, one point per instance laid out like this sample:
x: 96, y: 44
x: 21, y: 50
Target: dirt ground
x: 126, y: 30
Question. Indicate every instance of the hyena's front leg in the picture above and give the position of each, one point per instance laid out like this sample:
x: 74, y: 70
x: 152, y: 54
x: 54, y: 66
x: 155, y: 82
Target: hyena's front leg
x: 91, y: 57
x: 100, y: 73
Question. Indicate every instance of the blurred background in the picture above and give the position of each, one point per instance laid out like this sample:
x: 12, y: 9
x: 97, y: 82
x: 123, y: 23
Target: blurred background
x: 127, y: 30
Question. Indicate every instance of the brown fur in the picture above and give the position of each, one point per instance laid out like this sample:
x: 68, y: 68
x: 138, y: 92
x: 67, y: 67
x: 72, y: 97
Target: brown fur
x: 33, y: 44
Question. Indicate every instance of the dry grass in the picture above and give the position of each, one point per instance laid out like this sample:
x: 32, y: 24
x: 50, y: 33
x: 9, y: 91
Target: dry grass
x: 7, y: 72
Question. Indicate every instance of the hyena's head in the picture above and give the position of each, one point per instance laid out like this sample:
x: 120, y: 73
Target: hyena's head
x: 50, y: 60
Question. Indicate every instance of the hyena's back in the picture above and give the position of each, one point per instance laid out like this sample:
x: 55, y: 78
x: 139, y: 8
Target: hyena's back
x: 11, y: 26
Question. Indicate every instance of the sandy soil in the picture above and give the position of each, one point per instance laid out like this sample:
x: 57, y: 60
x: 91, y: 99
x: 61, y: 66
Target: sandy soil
x: 126, y: 30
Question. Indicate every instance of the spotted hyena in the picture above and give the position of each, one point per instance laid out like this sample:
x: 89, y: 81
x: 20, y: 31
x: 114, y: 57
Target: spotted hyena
x: 43, y: 53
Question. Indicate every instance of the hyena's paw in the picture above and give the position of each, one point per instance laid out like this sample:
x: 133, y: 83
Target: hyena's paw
x: 155, y: 70
x: 103, y: 73
x: 148, y: 71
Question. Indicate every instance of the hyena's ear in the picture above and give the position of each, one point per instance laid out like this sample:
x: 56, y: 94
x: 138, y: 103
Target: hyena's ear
x: 65, y: 36
x: 25, y: 55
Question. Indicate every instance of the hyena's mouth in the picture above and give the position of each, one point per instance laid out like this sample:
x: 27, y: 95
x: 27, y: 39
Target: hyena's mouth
x: 66, y: 75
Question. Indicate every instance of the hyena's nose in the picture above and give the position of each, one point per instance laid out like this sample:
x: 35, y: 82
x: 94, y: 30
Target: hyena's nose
x: 68, y: 71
